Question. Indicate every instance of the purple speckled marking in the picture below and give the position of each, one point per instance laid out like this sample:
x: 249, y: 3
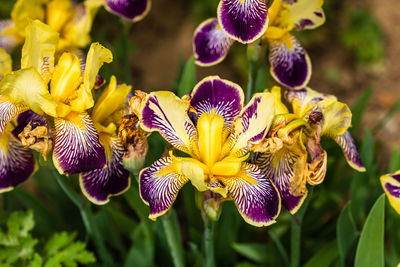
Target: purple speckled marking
x: 318, y: 14
x: 129, y: 9
x: 100, y: 184
x: 303, y: 23
x: 244, y: 21
x: 211, y: 43
x: 290, y: 67
x: 220, y: 95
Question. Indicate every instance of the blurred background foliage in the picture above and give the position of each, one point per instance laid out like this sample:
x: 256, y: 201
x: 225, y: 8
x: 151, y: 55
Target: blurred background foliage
x: 331, y: 229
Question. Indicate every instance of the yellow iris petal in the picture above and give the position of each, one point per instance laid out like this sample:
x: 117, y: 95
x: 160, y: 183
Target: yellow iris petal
x: 229, y: 166
x: 210, y: 127
x: 25, y: 10
x: 299, y: 10
x: 5, y: 63
x: 280, y: 108
x: 274, y: 33
x: 337, y: 117
x: 39, y: 48
x: 58, y: 13
x: 27, y: 86
x: 273, y: 11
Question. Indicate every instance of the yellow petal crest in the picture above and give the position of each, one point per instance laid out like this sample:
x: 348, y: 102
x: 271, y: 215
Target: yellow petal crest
x: 39, y: 48
x: 280, y: 108
x: 27, y: 86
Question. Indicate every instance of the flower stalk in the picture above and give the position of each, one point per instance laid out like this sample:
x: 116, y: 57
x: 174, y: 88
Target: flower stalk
x: 173, y: 236
x: 209, y: 226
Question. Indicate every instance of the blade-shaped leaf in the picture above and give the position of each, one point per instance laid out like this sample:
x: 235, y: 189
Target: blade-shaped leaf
x: 188, y: 78
x: 346, y: 232
x: 358, y: 109
x: 370, y: 250
x: 324, y: 257
x: 255, y: 252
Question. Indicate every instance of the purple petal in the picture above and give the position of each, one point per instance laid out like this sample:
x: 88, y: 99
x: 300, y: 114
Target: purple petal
x: 17, y: 163
x: 256, y: 198
x: 166, y: 113
x: 99, y: 185
x: 159, y: 186
x: 8, y: 111
x: 279, y: 167
x: 77, y: 147
x: 8, y: 41
x: 346, y: 142
x: 224, y: 96
x: 243, y: 20
x: 211, y: 43
x: 290, y: 66
x: 391, y: 186
x: 27, y: 117
x: 134, y: 10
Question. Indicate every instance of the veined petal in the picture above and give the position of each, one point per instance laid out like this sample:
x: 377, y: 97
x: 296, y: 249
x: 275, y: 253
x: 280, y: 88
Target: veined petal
x: 283, y: 168
x: 255, y: 197
x: 346, y: 142
x: 96, y: 57
x: 133, y: 10
x: 5, y: 63
x: 290, y: 64
x: 243, y: 20
x: 336, y: 117
x: 304, y: 14
x: 251, y: 126
x: 17, y: 164
x: 391, y: 186
x: 27, y: 87
x: 40, y: 46
x: 159, y: 185
x: 100, y: 184
x: 223, y: 96
x: 77, y: 147
x: 210, y: 43
x: 8, y: 38
x: 8, y: 111
x: 164, y: 112
x: 305, y: 99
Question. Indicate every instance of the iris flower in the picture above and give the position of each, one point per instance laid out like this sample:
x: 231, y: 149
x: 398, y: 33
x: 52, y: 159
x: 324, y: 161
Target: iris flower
x: 216, y: 132
x: 391, y: 185
x: 290, y: 64
x: 295, y: 137
x: 17, y: 163
x: 99, y: 184
x: 72, y: 21
x: 62, y: 93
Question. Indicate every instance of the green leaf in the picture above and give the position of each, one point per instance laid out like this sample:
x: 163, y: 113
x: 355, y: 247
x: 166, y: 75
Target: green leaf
x: 252, y: 251
x: 36, y: 261
x: 62, y: 250
x: 346, y: 232
x: 188, y: 78
x: 358, y: 109
x: 324, y: 257
x: 370, y: 249
x: 394, y: 163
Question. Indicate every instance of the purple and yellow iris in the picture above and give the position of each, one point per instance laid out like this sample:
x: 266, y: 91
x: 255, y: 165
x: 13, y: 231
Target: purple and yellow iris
x: 391, y: 185
x: 291, y: 153
x: 247, y: 21
x: 217, y: 133
x: 133, y: 10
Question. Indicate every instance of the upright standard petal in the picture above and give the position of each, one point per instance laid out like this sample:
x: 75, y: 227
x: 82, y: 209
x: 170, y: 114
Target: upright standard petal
x: 251, y: 126
x: 210, y: 43
x: 8, y: 111
x: 346, y: 142
x: 77, y: 147
x: 283, y: 168
x: 133, y: 10
x: 255, y: 197
x: 159, y: 185
x: 100, y: 184
x: 290, y: 64
x: 391, y: 186
x: 17, y: 163
x: 223, y: 96
x: 303, y: 14
x: 166, y: 113
x: 243, y: 20
x: 39, y: 48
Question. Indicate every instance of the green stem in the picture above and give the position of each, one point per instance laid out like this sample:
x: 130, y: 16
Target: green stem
x: 174, y: 240
x: 209, y: 242
x: 295, y: 238
x: 252, y: 77
x: 87, y: 218
x: 126, y: 26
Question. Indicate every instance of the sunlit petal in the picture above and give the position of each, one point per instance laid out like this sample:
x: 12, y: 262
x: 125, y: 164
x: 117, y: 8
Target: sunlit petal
x: 290, y: 64
x: 77, y: 147
x: 211, y: 43
x: 255, y: 197
x: 303, y: 14
x: 133, y: 10
x: 159, y: 185
x: 100, y: 184
x: 243, y: 20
